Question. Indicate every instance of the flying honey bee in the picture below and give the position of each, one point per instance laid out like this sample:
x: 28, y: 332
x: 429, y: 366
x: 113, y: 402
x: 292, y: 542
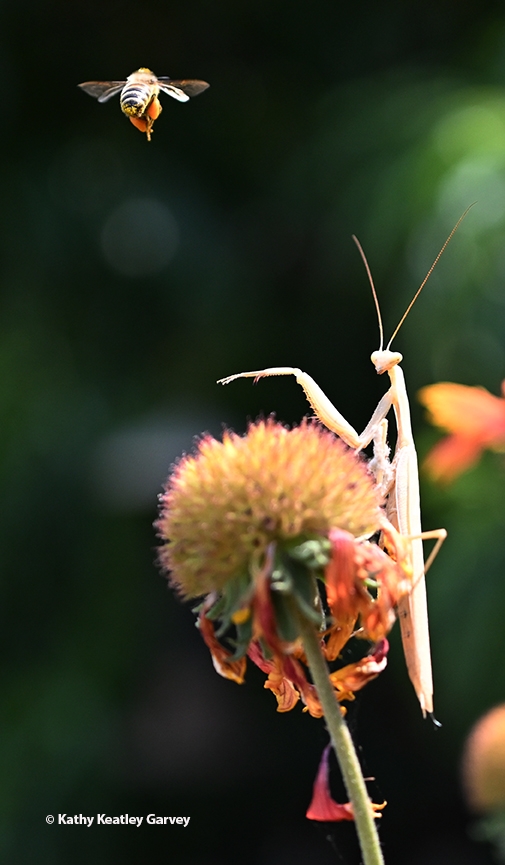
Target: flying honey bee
x: 139, y: 95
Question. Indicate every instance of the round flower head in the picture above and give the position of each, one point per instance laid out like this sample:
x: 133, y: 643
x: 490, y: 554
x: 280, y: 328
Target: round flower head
x: 223, y: 506
x: 484, y: 762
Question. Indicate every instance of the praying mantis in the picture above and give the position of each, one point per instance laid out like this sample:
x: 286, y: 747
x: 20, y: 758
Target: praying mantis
x: 397, y: 480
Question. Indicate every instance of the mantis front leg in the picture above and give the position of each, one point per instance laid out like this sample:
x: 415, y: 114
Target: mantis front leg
x: 323, y: 407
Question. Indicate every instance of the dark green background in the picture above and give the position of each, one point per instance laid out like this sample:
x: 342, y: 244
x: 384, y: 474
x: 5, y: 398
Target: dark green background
x: 232, y: 250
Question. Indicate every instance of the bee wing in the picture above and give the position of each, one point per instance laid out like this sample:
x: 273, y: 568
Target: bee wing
x: 102, y: 90
x: 182, y: 90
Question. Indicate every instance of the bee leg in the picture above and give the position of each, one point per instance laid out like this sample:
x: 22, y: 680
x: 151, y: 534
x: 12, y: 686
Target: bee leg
x: 149, y: 126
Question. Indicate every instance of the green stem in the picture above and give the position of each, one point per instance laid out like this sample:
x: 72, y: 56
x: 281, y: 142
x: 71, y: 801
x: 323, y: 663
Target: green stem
x: 344, y: 747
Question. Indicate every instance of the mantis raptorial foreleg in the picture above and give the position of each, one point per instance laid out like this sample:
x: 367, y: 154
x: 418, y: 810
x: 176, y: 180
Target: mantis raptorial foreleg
x: 324, y: 408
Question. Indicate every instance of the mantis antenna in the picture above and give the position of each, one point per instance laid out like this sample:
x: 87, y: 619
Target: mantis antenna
x: 419, y: 290
x: 372, y: 286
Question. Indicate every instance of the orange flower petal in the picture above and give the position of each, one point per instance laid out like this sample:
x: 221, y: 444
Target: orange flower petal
x: 287, y: 681
x: 351, y: 564
x: 234, y: 670
x: 472, y: 412
x: 338, y: 636
x: 312, y: 704
x: 323, y: 807
x: 344, y: 593
x: 256, y: 655
x: 354, y: 677
x: 285, y: 692
x: 378, y: 615
x: 452, y: 456
x: 265, y: 625
x: 282, y: 687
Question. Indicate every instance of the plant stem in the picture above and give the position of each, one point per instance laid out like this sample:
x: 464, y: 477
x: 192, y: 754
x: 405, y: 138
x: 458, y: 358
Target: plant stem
x: 344, y: 747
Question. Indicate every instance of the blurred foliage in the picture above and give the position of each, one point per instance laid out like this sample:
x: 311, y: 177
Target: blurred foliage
x: 134, y: 275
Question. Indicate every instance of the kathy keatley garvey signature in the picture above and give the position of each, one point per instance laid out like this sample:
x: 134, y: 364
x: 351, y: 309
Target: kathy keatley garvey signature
x: 122, y: 820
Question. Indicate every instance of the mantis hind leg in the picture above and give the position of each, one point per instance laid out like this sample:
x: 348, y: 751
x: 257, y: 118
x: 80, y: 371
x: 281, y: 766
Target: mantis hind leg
x: 440, y: 535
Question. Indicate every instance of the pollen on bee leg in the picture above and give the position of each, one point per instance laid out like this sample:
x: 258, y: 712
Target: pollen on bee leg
x: 154, y: 110
x: 139, y: 122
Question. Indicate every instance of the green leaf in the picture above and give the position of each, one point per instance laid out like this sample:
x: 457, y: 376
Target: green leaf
x: 244, y: 636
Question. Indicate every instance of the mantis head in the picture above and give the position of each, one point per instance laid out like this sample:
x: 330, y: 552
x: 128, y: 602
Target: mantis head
x: 384, y: 359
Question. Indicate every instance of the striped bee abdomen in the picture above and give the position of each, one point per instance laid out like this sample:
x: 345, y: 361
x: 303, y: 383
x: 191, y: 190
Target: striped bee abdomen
x: 135, y: 99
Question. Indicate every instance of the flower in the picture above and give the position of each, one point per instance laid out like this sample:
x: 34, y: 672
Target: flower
x: 484, y: 762
x: 323, y: 807
x: 225, y: 505
x: 253, y: 523
x: 474, y: 417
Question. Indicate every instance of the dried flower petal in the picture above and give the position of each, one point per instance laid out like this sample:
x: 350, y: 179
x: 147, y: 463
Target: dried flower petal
x: 234, y: 670
x: 355, y: 676
x: 351, y: 566
x: 283, y: 689
x: 323, y: 807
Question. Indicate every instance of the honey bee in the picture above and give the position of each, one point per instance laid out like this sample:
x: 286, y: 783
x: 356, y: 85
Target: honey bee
x: 139, y: 95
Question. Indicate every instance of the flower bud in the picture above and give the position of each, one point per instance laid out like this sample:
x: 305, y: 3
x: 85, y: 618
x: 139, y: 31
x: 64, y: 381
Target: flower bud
x: 484, y: 762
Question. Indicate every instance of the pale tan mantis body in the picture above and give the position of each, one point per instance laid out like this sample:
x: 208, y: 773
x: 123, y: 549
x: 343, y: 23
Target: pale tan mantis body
x: 398, y: 480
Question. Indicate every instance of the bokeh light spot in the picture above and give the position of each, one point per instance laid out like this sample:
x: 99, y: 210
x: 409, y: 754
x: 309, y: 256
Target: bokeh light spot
x: 476, y: 129
x: 480, y: 180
